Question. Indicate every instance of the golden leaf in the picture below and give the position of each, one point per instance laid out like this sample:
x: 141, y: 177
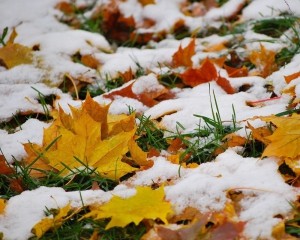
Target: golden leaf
x: 264, y: 60
x: 2, y: 206
x: 285, y: 141
x: 146, y: 204
x: 87, y: 138
x: 16, y: 54
x: 46, y: 224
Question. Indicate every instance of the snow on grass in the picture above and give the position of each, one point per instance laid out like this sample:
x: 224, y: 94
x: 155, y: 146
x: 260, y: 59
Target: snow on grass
x: 205, y: 187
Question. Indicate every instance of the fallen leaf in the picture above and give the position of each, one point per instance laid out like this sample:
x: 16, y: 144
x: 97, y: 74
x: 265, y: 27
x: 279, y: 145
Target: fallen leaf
x: 16, y: 185
x: 12, y: 37
x: 16, y: 54
x: 48, y: 223
x: 90, y: 61
x: 225, y: 85
x: 185, y: 232
x: 264, y: 60
x: 89, y: 137
x: 4, y: 169
x: 291, y: 77
x: 146, y: 2
x: 232, y: 140
x: 127, y: 75
x: 2, y: 205
x: 236, y: 72
x: 260, y: 133
x: 285, y: 139
x: 206, y: 73
x: 145, y: 204
x: 183, y: 56
x: 65, y: 7
x: 228, y: 231
x: 215, y: 48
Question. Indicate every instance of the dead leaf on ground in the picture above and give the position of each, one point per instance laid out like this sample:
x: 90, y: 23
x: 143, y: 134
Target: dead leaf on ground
x: 145, y: 204
x: 264, y: 60
x: 291, y: 77
x: 183, y: 56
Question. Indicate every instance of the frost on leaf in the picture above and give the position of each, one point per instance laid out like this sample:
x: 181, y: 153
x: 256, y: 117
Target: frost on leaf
x: 146, y: 204
x: 90, y: 137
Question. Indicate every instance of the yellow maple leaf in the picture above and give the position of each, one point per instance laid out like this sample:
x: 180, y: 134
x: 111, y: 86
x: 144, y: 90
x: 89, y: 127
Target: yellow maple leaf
x: 73, y: 142
x: 285, y: 141
x: 16, y: 54
x: 146, y: 204
x: 2, y: 206
x: 47, y: 223
x: 264, y: 60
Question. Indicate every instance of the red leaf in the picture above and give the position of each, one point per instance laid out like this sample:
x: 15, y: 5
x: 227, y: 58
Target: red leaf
x: 225, y: 84
x: 206, y: 73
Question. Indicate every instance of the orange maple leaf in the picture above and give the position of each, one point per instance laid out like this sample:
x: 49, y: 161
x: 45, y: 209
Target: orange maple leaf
x: 146, y: 97
x: 90, y: 61
x: 264, y: 60
x: 291, y: 77
x: 206, y: 73
x: 236, y: 72
x: 183, y: 56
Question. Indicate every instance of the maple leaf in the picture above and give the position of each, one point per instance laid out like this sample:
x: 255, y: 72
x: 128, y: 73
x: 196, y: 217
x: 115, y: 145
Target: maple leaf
x: 260, y: 133
x: 90, y: 61
x: 89, y: 137
x: 146, y: 97
x: 2, y: 205
x: 233, y: 140
x: 146, y: 204
x: 264, y: 61
x: 285, y: 140
x: 291, y: 77
x: 47, y: 223
x: 15, y: 54
x: 146, y: 2
x: 236, y: 72
x: 206, y: 73
x: 4, y: 169
x: 183, y: 56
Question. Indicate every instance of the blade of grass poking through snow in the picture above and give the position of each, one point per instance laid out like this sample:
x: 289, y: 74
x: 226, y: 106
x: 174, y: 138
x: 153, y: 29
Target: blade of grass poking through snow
x: 43, y: 103
x: 4, y: 33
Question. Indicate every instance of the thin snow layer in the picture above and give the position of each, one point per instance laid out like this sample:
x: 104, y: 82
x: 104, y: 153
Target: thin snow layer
x: 17, y: 98
x: 205, y: 188
x: 11, y: 144
x: 25, y: 210
x: 263, y: 8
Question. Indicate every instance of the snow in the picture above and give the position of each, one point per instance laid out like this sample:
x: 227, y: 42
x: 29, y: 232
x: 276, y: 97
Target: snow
x: 205, y: 187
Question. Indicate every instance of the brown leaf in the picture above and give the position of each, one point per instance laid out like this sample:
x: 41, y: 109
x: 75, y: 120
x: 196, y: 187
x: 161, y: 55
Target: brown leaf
x: 176, y: 144
x: 127, y: 75
x: 65, y: 7
x: 16, y: 185
x: 183, y: 56
x: 4, y: 169
x: 260, y: 133
x: 233, y: 140
x: 228, y: 231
